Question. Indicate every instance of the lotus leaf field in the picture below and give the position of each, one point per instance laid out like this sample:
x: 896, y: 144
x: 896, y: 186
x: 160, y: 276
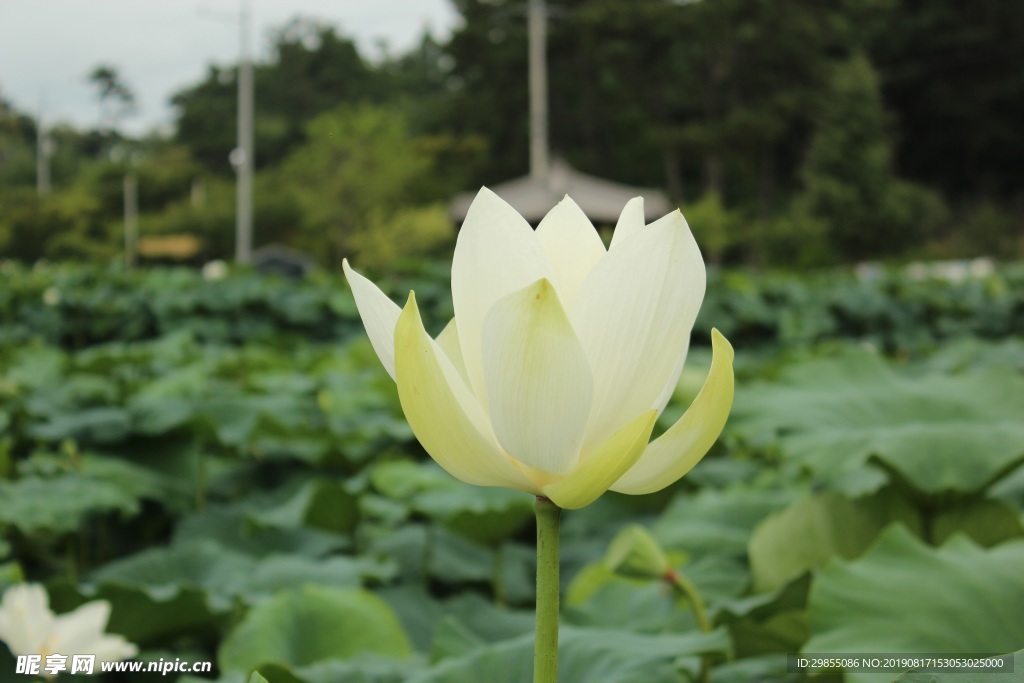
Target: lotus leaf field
x: 227, y: 464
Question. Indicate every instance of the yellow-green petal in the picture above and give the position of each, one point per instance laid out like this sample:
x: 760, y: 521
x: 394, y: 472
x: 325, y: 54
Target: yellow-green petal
x: 675, y: 452
x: 539, y: 384
x: 603, y: 467
x: 443, y: 413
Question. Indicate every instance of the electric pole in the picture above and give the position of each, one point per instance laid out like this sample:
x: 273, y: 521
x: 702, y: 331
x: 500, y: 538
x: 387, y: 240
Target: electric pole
x: 245, y: 151
x: 538, y: 61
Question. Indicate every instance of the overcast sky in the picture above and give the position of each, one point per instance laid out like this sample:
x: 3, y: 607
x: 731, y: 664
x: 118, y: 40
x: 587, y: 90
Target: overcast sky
x: 47, y: 47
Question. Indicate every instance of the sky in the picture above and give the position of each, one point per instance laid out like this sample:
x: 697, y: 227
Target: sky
x: 48, y: 47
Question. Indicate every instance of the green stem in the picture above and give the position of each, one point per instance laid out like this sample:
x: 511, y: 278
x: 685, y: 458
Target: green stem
x: 692, y: 596
x: 700, y: 613
x: 545, y: 654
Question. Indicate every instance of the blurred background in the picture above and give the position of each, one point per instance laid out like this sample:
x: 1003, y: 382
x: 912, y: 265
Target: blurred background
x: 792, y: 133
x: 194, y: 428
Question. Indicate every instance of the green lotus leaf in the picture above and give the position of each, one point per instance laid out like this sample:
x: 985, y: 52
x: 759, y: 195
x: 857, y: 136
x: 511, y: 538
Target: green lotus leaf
x: 903, y: 596
x: 852, y: 422
x: 314, y: 624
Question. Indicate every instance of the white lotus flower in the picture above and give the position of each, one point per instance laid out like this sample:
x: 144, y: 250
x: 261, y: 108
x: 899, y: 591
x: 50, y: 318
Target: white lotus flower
x: 29, y: 627
x: 561, y: 355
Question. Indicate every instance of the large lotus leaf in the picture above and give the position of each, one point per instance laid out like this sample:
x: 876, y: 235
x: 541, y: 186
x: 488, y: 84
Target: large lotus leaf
x: 402, y: 479
x: 225, y: 575
x: 36, y: 366
x: 320, y: 504
x: 903, y: 596
x: 435, y: 552
x: 717, y: 522
x: 420, y: 614
x: 153, y: 415
x: 584, y: 655
x: 770, y: 668
x: 234, y: 419
x: 1015, y: 676
x: 805, y: 535
x: 61, y: 501
x: 986, y: 522
x: 362, y: 669
x: 645, y: 608
x: 952, y: 435
x: 484, y: 515
x: 232, y: 528
x: 144, y: 617
x: 103, y: 425
x: 314, y: 624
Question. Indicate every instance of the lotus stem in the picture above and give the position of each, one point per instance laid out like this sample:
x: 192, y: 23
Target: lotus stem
x: 545, y: 654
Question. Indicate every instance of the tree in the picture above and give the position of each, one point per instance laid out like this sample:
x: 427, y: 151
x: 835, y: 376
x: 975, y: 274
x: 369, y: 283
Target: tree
x: 848, y: 175
x: 115, y: 98
x: 358, y: 171
x: 312, y: 70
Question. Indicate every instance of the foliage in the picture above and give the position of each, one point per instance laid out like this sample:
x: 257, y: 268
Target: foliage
x: 848, y: 175
x: 890, y: 309
x: 247, y: 493
x: 827, y: 132
x: 358, y: 181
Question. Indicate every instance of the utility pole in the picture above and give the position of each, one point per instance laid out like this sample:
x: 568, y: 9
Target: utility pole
x: 538, y: 60
x: 131, y: 219
x: 245, y: 151
x: 44, y: 148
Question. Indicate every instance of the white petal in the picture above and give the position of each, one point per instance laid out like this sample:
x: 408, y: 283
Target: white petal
x: 379, y: 314
x: 673, y: 380
x: 444, y: 414
x: 631, y: 221
x: 538, y: 379
x: 496, y: 253
x: 25, y: 619
x: 79, y: 631
x: 113, y: 649
x: 634, y: 316
x: 572, y: 244
x: 448, y: 340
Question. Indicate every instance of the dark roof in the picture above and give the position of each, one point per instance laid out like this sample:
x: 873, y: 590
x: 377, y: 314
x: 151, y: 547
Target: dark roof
x: 602, y: 200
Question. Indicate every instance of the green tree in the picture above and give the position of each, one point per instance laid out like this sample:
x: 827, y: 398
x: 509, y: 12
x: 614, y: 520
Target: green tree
x: 358, y: 169
x: 849, y: 180
x: 312, y: 69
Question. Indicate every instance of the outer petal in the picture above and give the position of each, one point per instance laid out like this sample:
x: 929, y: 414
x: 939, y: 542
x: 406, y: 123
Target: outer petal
x: 604, y: 466
x: 634, y: 316
x: 631, y: 221
x: 443, y: 413
x: 675, y: 452
x: 497, y: 253
x: 539, y: 383
x: 25, y: 619
x: 379, y: 314
x: 572, y: 244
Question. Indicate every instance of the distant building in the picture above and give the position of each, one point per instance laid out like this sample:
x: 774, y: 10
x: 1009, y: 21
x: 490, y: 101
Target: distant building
x: 601, y: 200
